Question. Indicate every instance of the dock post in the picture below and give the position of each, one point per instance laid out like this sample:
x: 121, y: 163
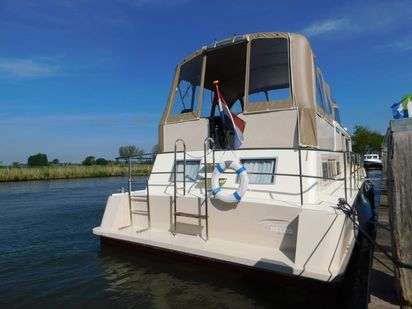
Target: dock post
x: 399, y: 188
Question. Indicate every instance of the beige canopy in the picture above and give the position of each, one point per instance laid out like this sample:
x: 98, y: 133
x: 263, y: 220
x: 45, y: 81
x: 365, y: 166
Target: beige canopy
x: 302, y: 83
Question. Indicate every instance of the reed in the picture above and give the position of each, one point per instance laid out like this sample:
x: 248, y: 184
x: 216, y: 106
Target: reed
x: 69, y: 171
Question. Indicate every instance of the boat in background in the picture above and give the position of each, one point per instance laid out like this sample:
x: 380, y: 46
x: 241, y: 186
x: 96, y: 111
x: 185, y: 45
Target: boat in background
x: 256, y: 105
x: 372, y: 160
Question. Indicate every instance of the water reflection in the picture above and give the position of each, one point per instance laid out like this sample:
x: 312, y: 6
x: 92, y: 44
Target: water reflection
x: 375, y: 176
x: 157, y: 282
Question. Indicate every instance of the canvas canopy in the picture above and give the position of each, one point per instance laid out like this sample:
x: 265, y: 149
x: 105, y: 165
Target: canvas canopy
x: 261, y: 72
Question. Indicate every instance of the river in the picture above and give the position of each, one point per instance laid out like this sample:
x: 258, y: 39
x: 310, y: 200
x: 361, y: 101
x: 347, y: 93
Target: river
x: 49, y: 258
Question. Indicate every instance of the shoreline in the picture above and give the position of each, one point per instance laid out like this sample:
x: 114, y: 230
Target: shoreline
x: 18, y: 174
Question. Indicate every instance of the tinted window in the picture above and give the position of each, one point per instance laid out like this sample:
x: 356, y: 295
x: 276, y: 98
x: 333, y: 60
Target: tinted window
x: 192, y: 170
x: 269, y: 70
x: 188, y: 88
x: 263, y: 166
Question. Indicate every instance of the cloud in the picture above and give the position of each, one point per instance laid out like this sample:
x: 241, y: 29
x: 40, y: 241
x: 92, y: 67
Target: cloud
x: 326, y: 26
x: 29, y: 67
x: 403, y: 45
x: 364, y: 18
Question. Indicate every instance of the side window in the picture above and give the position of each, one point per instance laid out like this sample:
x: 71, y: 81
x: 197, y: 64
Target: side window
x: 207, y: 103
x: 328, y: 101
x: 336, y: 114
x: 319, y: 91
x: 192, y: 170
x: 269, y: 70
x: 330, y: 168
x: 260, y: 171
x: 187, y: 91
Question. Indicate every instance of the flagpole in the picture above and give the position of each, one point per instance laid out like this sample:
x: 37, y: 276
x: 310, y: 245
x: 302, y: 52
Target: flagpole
x: 219, y: 102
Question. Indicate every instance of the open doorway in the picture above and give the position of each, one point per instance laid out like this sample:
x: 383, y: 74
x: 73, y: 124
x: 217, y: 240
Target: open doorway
x: 228, y: 66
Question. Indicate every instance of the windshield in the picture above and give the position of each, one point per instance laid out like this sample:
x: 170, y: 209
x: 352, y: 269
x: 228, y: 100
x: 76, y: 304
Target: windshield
x: 187, y: 91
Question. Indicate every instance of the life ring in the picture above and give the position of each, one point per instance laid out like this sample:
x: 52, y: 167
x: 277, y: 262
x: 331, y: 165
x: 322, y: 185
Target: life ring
x: 227, y: 197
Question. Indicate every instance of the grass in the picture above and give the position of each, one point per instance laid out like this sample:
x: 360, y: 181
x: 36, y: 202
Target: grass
x: 69, y: 171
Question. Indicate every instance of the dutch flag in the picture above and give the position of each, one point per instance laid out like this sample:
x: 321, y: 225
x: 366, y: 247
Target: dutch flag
x: 230, y: 119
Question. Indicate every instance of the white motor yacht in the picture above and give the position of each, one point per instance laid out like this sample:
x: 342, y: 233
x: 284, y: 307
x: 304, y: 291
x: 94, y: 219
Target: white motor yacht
x: 254, y: 166
x: 372, y: 160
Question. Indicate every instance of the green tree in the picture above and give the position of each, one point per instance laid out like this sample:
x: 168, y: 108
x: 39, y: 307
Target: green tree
x: 39, y: 159
x: 364, y: 139
x: 90, y: 160
x: 155, y: 151
x: 101, y: 161
x: 55, y: 161
x: 130, y: 150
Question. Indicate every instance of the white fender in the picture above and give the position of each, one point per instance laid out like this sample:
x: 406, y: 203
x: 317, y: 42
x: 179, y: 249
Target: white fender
x: 228, y: 197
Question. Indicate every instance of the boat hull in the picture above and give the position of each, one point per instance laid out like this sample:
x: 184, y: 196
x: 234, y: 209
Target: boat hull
x: 259, y: 273
x: 372, y: 165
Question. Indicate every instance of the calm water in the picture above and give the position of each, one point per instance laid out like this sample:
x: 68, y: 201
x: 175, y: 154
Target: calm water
x: 50, y: 258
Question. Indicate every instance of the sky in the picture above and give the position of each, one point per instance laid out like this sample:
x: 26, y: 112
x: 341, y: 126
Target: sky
x: 83, y: 77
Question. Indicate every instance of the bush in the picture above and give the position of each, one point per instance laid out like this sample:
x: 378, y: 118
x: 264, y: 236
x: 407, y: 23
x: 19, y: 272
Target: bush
x: 101, y: 161
x: 90, y: 160
x: 39, y: 159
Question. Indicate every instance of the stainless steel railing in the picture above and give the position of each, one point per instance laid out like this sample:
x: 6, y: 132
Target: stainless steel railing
x: 350, y: 177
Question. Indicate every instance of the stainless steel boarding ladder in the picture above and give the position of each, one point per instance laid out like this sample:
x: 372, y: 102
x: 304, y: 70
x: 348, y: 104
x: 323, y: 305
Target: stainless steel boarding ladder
x: 184, y: 214
x: 137, y: 198
x: 175, y: 172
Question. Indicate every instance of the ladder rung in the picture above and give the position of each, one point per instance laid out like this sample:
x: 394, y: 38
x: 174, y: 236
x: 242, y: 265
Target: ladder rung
x: 185, y: 214
x: 140, y: 212
x: 140, y: 198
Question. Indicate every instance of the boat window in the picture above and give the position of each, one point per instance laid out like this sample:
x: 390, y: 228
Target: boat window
x: 329, y: 104
x: 192, y: 170
x: 323, y: 92
x: 207, y: 103
x: 269, y: 71
x: 319, y: 92
x: 256, y: 166
x: 337, y: 114
x: 187, y: 91
x: 330, y: 168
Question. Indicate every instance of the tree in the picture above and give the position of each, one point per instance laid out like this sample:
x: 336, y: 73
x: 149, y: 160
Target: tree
x: 90, y: 160
x: 101, y: 161
x: 55, y: 161
x: 39, y: 159
x: 155, y: 151
x: 364, y: 139
x: 130, y: 150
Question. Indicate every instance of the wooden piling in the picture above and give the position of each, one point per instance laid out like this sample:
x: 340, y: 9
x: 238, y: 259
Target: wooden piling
x: 399, y: 188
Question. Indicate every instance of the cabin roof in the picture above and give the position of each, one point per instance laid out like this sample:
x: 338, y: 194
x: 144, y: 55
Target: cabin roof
x: 236, y: 39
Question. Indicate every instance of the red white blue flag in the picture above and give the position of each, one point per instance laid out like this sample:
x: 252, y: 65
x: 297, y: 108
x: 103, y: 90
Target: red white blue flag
x: 230, y: 119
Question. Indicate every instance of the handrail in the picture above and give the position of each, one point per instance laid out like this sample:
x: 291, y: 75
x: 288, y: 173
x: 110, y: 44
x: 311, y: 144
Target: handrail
x: 175, y: 179
x: 129, y: 182
x: 207, y: 140
x: 300, y: 177
x: 349, y: 157
x: 184, y: 165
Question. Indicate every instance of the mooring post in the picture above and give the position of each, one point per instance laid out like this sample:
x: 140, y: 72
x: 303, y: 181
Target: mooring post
x: 399, y: 188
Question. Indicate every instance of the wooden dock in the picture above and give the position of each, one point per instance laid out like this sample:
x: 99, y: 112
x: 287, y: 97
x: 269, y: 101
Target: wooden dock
x: 399, y: 187
x: 382, y: 279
